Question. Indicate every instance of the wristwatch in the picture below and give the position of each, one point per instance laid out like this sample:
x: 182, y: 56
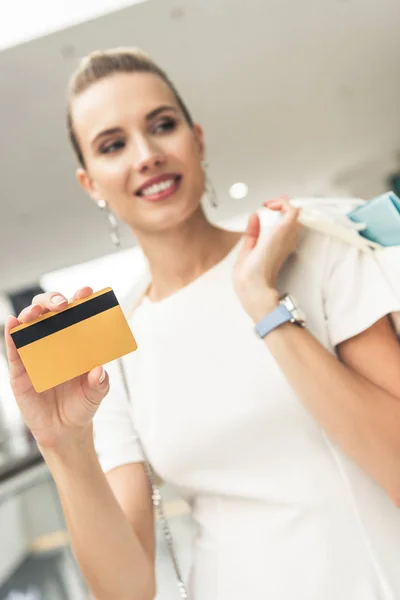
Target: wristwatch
x: 288, y: 311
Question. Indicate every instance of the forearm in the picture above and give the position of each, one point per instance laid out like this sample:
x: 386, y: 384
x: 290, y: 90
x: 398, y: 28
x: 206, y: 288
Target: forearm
x: 111, y: 557
x: 363, y: 419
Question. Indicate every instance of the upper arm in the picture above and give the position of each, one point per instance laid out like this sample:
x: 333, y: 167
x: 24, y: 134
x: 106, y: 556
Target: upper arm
x: 359, y: 294
x: 130, y: 486
x: 375, y: 355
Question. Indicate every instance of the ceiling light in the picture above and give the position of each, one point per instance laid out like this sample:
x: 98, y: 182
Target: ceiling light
x: 43, y: 17
x: 238, y: 191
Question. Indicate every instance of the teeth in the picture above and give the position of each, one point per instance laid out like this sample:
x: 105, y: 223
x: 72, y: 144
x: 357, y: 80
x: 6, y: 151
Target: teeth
x: 158, y: 187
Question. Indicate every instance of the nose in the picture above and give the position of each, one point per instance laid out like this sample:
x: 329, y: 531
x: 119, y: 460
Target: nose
x: 150, y: 164
x: 148, y: 157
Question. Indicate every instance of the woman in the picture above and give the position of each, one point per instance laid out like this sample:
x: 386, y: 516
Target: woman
x: 286, y: 445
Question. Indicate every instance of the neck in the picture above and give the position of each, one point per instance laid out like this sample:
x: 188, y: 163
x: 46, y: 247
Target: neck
x: 178, y: 257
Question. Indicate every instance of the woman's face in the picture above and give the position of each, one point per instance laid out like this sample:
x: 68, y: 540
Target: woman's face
x: 141, y: 155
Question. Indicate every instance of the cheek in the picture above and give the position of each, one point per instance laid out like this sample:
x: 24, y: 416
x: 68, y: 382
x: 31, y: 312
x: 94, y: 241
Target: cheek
x: 197, y: 175
x: 185, y: 149
x: 188, y: 154
x: 112, y: 177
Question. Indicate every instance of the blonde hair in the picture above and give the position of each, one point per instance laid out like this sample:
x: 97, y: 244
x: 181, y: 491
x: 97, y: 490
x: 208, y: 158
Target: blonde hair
x: 103, y: 63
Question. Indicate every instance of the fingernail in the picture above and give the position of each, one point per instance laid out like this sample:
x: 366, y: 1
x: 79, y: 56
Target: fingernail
x: 57, y: 300
x: 102, y: 378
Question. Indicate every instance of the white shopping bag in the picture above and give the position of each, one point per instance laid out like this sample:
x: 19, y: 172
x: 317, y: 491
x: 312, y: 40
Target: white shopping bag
x: 328, y: 216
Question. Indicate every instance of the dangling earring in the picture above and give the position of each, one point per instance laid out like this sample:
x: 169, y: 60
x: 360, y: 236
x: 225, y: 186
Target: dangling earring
x: 209, y: 186
x: 112, y: 221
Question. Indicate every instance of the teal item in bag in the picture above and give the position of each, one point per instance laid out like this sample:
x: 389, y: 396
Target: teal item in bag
x: 381, y: 216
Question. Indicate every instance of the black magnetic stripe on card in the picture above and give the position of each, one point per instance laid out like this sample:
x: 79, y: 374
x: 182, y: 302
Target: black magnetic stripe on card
x: 64, y: 319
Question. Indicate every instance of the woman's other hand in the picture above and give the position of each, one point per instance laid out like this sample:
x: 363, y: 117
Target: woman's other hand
x: 261, y: 258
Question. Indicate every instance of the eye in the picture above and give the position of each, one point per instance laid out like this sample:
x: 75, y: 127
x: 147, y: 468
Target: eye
x: 164, y: 126
x: 111, y: 147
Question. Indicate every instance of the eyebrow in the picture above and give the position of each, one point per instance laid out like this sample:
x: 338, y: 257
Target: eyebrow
x: 151, y: 115
x: 160, y: 109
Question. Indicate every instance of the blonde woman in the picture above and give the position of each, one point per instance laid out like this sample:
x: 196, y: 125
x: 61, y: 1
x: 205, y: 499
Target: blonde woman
x: 286, y: 444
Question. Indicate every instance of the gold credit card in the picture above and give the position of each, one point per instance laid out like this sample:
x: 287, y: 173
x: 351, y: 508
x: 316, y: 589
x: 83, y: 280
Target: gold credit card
x: 59, y: 346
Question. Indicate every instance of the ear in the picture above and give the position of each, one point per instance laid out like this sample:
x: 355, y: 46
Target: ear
x: 86, y: 182
x: 199, y: 136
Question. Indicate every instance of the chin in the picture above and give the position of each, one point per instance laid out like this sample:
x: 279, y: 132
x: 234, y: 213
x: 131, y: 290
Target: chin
x: 172, y: 217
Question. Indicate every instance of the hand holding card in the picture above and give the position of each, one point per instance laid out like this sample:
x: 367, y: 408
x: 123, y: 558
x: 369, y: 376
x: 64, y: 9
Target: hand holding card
x: 59, y: 346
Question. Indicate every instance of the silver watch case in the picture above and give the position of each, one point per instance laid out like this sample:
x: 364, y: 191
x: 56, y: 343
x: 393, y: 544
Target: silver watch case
x: 291, y: 304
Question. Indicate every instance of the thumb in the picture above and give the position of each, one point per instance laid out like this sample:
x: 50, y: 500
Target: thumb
x: 250, y: 236
x: 15, y: 363
x: 96, y: 385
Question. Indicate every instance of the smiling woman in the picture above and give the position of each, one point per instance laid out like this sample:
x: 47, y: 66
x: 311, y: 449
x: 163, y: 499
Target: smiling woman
x: 287, y: 447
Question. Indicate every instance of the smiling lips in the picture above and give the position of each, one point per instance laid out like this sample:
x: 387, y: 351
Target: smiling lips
x: 159, y: 188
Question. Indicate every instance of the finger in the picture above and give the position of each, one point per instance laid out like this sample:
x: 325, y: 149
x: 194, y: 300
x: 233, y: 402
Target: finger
x: 30, y: 313
x: 275, y: 201
x: 289, y: 223
x: 42, y: 304
x: 278, y: 205
x: 14, y: 361
x: 275, y: 206
x: 281, y: 198
x: 51, y: 301
x: 290, y: 215
x: 286, y: 209
x: 252, y: 232
x: 83, y: 292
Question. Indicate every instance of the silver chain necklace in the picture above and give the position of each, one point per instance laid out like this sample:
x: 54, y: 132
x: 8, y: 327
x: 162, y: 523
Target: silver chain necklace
x: 157, y: 500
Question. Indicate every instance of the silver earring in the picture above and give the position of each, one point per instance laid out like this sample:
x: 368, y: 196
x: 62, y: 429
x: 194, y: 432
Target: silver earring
x: 113, y: 223
x: 209, y: 186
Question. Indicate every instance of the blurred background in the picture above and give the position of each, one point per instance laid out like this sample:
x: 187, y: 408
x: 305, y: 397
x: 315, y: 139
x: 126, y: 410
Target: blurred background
x: 300, y: 98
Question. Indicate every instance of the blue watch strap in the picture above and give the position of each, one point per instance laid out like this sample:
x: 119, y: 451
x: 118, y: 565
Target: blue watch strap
x: 277, y: 317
